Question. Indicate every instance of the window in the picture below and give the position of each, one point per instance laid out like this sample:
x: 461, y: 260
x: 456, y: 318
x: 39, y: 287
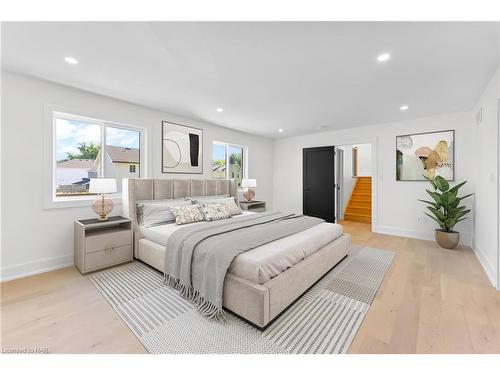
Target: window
x: 227, y: 161
x: 87, y: 148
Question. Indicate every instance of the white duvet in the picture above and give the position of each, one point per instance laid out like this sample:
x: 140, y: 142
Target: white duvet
x: 261, y: 264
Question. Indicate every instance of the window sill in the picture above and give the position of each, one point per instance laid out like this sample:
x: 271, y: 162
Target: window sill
x: 77, y: 202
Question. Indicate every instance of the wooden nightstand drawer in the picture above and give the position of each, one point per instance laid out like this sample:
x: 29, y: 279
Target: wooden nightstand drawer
x: 108, y: 257
x: 106, y: 240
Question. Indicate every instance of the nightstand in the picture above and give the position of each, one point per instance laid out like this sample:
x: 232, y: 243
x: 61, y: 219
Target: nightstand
x: 101, y: 244
x: 255, y: 206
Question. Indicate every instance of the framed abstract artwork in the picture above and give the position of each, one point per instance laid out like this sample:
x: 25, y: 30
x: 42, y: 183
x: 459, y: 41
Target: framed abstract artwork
x: 182, y: 149
x: 425, y: 154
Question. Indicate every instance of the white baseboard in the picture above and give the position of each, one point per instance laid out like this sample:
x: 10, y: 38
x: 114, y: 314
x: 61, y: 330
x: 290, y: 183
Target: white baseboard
x: 489, y: 269
x: 18, y: 271
x: 465, y: 237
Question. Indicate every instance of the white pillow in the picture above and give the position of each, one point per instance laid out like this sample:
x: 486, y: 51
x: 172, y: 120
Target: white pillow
x: 188, y: 214
x: 157, y: 212
x: 216, y: 211
x: 205, y: 198
x: 233, y: 208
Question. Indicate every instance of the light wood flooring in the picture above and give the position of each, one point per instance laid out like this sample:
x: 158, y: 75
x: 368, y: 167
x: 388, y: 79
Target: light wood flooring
x: 431, y: 301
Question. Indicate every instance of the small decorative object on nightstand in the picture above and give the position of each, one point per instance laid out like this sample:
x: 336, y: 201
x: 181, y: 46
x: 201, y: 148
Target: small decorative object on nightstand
x: 102, y: 205
x: 100, y: 244
x: 255, y: 206
x: 249, y: 183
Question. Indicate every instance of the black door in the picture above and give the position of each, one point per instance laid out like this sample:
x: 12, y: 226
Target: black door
x: 319, y: 182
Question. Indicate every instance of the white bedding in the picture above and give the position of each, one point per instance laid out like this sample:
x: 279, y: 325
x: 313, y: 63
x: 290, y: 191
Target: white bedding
x: 261, y: 264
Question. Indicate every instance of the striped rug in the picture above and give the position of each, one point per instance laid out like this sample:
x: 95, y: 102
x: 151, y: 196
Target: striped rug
x: 324, y: 320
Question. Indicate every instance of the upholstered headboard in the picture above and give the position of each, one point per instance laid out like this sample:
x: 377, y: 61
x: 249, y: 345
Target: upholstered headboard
x: 135, y: 189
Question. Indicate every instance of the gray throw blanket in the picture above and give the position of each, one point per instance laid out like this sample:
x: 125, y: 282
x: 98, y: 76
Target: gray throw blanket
x: 198, y: 256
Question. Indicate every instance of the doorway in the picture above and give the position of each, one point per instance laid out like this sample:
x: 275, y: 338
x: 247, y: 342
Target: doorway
x: 354, y: 183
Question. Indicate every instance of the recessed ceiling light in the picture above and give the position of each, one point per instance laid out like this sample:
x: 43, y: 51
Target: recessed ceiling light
x: 404, y: 107
x: 383, y: 57
x: 219, y: 110
x: 71, y: 60
x: 281, y: 130
x: 322, y: 127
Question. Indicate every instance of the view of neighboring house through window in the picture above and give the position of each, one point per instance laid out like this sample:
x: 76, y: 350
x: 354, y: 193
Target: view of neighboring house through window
x: 121, y: 159
x: 227, y: 161
x: 218, y: 160
x: 80, y: 154
x: 77, y: 145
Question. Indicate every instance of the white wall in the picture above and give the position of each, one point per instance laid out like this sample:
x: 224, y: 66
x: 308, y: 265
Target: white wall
x: 364, y: 159
x: 395, y: 206
x: 486, y: 166
x: 36, y: 239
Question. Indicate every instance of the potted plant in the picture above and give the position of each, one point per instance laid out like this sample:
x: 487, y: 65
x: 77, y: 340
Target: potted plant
x: 446, y: 210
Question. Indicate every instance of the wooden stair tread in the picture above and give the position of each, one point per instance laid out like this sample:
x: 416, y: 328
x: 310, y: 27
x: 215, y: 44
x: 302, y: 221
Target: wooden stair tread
x: 360, y: 215
x: 359, y: 207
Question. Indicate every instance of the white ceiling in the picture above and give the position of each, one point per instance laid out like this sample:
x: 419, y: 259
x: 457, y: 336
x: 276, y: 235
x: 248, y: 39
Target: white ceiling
x: 291, y: 75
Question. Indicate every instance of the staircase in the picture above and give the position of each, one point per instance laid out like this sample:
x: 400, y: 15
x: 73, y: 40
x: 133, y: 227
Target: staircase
x: 359, y: 207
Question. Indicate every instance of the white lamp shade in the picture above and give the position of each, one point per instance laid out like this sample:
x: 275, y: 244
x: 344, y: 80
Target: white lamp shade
x: 249, y: 183
x: 102, y: 185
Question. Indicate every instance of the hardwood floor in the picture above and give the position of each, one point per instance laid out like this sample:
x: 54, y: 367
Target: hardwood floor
x: 431, y: 301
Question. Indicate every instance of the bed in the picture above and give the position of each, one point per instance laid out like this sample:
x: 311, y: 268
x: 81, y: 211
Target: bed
x: 260, y: 283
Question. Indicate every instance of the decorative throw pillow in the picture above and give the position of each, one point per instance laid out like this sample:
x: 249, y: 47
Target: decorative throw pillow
x: 157, y: 212
x: 216, y: 211
x: 188, y: 214
x: 233, y: 208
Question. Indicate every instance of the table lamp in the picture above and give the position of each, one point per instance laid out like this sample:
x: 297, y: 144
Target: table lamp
x: 249, y: 183
x: 102, y: 205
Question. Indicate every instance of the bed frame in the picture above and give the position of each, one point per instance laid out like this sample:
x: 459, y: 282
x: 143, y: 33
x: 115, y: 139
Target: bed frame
x: 258, y: 304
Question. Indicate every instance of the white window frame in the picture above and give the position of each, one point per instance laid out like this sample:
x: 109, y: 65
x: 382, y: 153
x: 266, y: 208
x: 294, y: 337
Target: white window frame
x: 53, y: 113
x: 227, y: 145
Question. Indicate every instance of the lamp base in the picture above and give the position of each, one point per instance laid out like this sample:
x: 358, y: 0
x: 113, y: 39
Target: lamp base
x: 102, y: 206
x: 249, y: 195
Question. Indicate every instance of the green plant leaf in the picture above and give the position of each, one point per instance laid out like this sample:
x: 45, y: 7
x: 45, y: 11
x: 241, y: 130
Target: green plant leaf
x: 436, y: 196
x: 466, y: 196
x: 439, y: 215
x: 455, y: 210
x: 450, y: 223
x: 460, y: 214
x: 441, y: 184
x: 447, y: 199
x: 433, y: 204
x: 456, y: 187
x: 436, y: 220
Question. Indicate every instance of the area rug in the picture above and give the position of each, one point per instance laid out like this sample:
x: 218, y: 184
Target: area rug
x: 323, y: 320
